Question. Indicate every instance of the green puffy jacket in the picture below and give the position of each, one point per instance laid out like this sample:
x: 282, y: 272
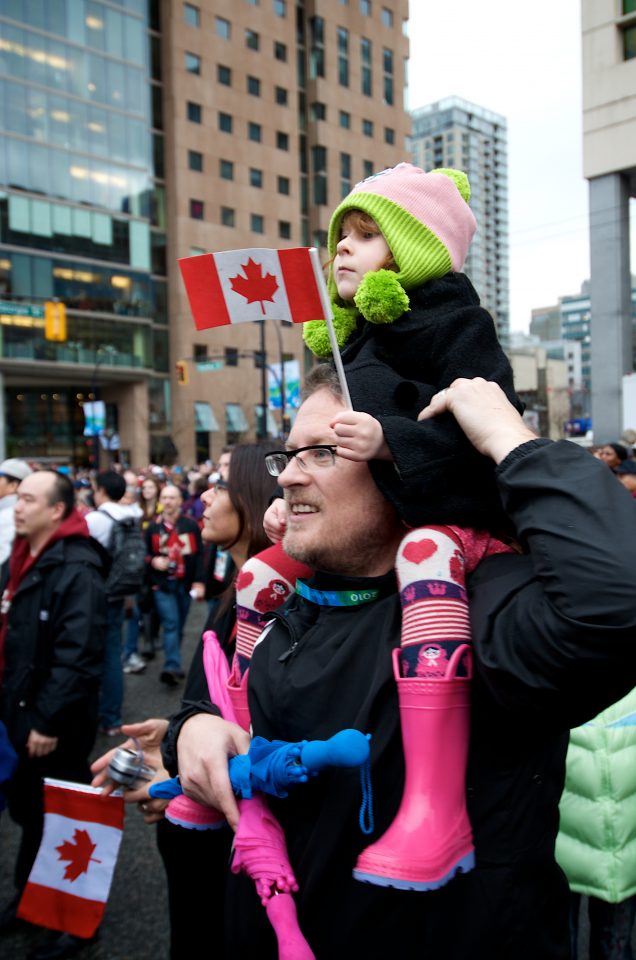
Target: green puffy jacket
x: 596, y: 846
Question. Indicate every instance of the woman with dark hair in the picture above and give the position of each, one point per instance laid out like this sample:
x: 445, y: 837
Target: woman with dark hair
x: 196, y: 861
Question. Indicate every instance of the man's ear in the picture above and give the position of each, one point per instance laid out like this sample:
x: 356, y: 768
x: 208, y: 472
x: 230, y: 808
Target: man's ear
x: 58, y: 511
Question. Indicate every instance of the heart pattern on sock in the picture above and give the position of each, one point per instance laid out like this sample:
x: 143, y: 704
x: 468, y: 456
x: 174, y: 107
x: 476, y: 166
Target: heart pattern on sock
x: 419, y: 550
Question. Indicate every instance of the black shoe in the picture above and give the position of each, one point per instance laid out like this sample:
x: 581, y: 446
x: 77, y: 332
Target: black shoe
x: 57, y: 946
x: 170, y: 677
x: 8, y: 917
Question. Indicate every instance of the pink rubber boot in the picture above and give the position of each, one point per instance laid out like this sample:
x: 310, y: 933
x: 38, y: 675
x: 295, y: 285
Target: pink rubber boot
x: 430, y: 839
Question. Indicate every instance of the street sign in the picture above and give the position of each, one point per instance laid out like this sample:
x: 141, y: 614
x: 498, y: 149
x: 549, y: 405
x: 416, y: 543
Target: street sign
x: 10, y: 309
x: 203, y: 366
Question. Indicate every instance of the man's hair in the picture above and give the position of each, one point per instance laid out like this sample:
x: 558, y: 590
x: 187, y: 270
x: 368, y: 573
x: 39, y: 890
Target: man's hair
x: 322, y: 377
x: 113, y: 484
x: 62, y: 491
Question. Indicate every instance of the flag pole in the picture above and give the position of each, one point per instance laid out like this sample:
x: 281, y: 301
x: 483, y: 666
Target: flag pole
x: 328, y: 316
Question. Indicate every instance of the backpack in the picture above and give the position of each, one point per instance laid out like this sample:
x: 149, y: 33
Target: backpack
x: 127, y: 549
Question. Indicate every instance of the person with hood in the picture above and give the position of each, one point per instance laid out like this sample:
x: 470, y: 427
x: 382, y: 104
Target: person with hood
x: 52, y: 623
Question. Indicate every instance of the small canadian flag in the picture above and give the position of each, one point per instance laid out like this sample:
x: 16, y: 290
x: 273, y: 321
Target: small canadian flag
x: 240, y: 286
x: 70, y: 880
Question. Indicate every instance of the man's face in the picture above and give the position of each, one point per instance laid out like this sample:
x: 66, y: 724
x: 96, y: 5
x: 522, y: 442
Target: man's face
x: 224, y: 465
x: 7, y: 486
x: 35, y: 518
x: 171, y: 499
x: 338, y: 521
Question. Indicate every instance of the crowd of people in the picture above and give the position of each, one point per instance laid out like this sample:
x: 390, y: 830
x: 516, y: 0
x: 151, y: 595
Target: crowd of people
x: 415, y: 564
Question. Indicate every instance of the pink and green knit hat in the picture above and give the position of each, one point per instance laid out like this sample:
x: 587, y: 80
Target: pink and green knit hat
x: 424, y: 218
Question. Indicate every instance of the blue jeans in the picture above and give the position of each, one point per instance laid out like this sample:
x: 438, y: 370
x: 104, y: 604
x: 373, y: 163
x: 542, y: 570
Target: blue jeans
x: 172, y: 606
x: 112, y: 692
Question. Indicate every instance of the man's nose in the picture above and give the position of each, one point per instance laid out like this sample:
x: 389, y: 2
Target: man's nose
x: 293, y: 474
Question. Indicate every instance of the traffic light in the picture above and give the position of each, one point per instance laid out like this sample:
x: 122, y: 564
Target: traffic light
x: 55, y: 321
x: 182, y: 372
x: 231, y: 357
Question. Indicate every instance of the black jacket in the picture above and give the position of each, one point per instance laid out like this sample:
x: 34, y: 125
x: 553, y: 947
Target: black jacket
x: 191, y: 548
x: 393, y: 370
x: 555, y: 642
x: 54, y: 644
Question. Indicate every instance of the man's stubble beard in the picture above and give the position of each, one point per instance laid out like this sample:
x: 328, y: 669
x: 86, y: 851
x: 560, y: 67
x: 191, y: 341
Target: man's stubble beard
x: 354, y: 555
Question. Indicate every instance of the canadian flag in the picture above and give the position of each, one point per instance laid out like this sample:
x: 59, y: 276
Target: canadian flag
x: 71, y: 877
x: 240, y: 286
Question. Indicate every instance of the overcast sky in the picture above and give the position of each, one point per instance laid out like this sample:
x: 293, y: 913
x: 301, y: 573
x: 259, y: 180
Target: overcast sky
x: 526, y: 65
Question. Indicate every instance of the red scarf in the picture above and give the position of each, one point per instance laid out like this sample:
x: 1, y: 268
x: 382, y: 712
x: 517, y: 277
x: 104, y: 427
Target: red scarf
x: 21, y: 561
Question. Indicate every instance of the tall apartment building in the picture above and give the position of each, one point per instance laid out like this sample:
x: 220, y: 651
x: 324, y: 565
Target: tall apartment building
x: 609, y: 163
x: 455, y: 133
x: 139, y: 132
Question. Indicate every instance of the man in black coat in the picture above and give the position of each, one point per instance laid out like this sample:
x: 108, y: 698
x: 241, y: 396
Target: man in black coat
x: 554, y: 635
x: 52, y: 637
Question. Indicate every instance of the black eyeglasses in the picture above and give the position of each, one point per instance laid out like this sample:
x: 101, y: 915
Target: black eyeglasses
x: 313, y: 458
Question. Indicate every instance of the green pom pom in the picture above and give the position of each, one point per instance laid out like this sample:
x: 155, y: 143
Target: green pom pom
x: 316, y: 335
x: 459, y: 178
x: 381, y: 298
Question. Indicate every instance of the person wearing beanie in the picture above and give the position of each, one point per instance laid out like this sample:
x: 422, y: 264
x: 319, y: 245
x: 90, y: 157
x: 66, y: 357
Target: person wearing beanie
x: 409, y: 323
x: 12, y: 471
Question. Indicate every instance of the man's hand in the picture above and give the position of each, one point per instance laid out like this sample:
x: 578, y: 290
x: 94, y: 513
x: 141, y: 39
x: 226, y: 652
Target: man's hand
x: 197, y: 591
x: 360, y: 436
x: 149, y: 735
x: 204, y: 747
x: 40, y: 746
x: 484, y: 413
x: 275, y: 520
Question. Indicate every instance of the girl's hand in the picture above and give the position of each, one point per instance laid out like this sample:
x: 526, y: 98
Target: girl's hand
x: 149, y: 735
x: 359, y: 436
x: 275, y: 520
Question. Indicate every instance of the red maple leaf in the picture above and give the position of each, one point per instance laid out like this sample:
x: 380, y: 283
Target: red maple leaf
x: 78, y: 853
x: 254, y: 286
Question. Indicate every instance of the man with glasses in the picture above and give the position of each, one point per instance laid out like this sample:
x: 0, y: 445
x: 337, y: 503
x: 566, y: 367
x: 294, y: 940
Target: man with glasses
x: 554, y: 634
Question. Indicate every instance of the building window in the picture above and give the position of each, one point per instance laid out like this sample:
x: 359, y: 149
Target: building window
x: 316, y: 47
x: 365, y: 57
x: 194, y: 112
x: 280, y: 51
x: 252, y: 40
x: 365, y: 7
x: 279, y: 7
x: 344, y: 119
x: 256, y: 177
x: 196, y: 209
x: 191, y: 15
x: 629, y: 43
x: 225, y: 122
x: 284, y: 229
x: 195, y: 160
x: 193, y: 63
x: 387, y: 17
x: 345, y: 174
x: 283, y: 185
x: 389, y: 135
x: 367, y: 169
x: 387, y: 72
x: 281, y: 96
x: 343, y: 57
x: 254, y: 132
x: 223, y: 28
x: 254, y: 86
x: 318, y: 111
x: 257, y: 223
x: 282, y: 140
x: 226, y: 169
x: 224, y: 75
x: 367, y: 128
x: 227, y: 216
x: 319, y: 169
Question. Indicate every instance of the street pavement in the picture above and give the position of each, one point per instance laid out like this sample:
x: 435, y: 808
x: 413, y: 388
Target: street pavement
x: 135, y: 925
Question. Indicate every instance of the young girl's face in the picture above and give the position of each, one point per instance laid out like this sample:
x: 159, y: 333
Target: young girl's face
x: 361, y: 249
